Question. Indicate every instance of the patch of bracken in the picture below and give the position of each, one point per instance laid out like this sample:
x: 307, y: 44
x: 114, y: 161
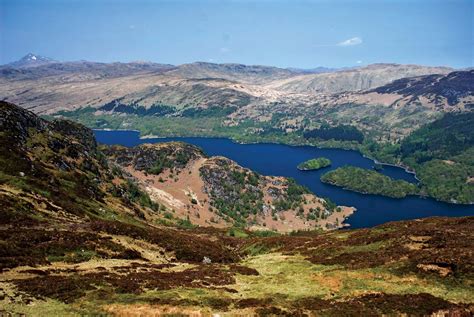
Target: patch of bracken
x: 253, y: 302
x: 408, y: 304
x: 185, y: 245
x: 33, y: 247
x: 273, y: 311
x: 244, y: 270
x: 68, y: 288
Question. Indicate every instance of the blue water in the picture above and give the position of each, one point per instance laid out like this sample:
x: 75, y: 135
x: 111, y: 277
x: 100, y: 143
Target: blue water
x: 281, y: 160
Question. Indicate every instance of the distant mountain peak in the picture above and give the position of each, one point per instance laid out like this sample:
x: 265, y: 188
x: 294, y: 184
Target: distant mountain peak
x: 35, y: 57
x: 31, y: 60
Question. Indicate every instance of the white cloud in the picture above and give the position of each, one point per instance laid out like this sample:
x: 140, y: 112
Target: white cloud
x: 359, y: 62
x: 351, y: 42
x: 224, y: 50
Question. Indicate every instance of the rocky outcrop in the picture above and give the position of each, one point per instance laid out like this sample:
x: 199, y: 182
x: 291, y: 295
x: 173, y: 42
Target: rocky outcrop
x: 355, y: 79
x: 154, y: 158
x: 16, y: 122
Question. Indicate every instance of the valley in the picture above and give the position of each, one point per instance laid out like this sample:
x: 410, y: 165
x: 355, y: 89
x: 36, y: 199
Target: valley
x: 207, y: 213
x: 236, y: 158
x: 80, y: 235
x: 372, y: 109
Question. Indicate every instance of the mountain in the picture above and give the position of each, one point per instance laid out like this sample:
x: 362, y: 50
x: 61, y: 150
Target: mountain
x: 316, y: 70
x: 360, y: 78
x: 81, y: 70
x: 31, y: 60
x: 253, y: 74
x: 451, y: 89
x: 87, y: 230
x: 71, y: 85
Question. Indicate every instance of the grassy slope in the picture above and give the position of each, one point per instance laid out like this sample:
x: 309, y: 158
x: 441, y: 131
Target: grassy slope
x: 442, y: 154
x: 406, y: 267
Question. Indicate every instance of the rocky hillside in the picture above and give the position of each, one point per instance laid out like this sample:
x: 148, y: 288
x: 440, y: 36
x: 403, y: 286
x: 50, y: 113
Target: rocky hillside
x: 79, y: 236
x: 238, y: 100
x: 252, y: 74
x: 387, y: 113
x: 354, y: 79
x: 53, y: 173
x: 71, y: 85
x: 217, y: 192
x: 441, y: 90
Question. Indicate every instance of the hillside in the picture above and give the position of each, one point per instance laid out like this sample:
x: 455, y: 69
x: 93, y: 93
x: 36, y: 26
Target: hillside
x: 452, y: 87
x: 70, y: 85
x: 217, y: 192
x: 239, y: 96
x: 441, y: 153
x: 81, y: 236
x: 252, y: 74
x: 173, y: 181
x: 362, y: 78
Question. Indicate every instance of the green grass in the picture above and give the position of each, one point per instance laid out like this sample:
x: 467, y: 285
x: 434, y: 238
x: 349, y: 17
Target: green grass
x: 256, y: 249
x: 237, y: 232
x: 293, y: 277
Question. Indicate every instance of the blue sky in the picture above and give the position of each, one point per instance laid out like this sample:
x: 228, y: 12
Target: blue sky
x: 301, y: 34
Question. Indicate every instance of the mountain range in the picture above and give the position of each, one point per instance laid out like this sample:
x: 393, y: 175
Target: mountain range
x: 244, y: 92
x: 59, y: 85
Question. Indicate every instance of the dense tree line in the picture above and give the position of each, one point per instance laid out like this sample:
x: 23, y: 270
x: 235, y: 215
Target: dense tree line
x: 441, y: 153
x: 448, y: 136
x: 369, y: 182
x: 153, y: 110
x: 340, y: 132
x: 213, y: 111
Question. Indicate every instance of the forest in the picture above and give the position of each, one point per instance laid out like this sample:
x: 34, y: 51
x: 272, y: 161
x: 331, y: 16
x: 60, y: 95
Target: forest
x: 340, y: 132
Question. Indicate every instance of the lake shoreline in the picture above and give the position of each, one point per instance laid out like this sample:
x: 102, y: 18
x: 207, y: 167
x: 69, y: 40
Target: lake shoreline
x: 375, y: 161
x: 151, y: 136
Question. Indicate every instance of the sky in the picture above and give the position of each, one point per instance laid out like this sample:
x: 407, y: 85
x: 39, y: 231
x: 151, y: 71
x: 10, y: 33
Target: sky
x: 302, y: 34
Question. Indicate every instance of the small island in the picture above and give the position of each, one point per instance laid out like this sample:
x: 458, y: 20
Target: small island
x: 369, y: 182
x: 314, y: 164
